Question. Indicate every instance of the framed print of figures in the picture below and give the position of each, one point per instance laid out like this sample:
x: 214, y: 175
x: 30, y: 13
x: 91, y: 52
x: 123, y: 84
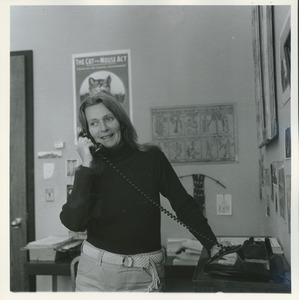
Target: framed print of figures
x: 285, y: 60
x: 264, y: 68
x: 107, y: 71
x: 196, y: 133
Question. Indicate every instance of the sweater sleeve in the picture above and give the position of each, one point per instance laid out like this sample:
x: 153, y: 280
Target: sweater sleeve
x: 75, y: 214
x: 183, y: 204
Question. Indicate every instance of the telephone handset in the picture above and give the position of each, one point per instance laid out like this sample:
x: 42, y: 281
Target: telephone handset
x: 96, y: 150
x: 96, y: 146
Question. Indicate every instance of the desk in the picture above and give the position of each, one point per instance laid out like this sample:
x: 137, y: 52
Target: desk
x: 212, y: 283
x: 178, y: 278
x: 53, y: 268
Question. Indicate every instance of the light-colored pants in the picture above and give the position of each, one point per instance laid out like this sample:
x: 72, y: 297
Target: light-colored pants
x: 96, y: 275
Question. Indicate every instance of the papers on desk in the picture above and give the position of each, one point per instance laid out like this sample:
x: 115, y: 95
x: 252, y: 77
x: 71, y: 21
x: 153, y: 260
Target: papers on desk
x: 50, y: 248
x: 228, y: 259
x: 188, y: 259
x: 276, y: 247
x: 48, y: 242
x: 185, y: 251
x: 188, y: 251
x: 175, y: 245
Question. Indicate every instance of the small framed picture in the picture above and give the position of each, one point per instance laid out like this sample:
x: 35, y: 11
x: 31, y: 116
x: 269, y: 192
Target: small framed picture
x: 288, y: 198
x: 224, y: 204
x: 282, y: 194
x: 71, y: 166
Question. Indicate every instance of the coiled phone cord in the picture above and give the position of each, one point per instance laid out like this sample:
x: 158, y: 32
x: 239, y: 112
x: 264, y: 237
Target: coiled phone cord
x: 162, y: 209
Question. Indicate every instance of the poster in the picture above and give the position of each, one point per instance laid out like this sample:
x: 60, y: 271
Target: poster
x: 282, y: 195
x: 197, y: 133
x: 288, y: 198
x: 266, y: 190
x: 108, y: 71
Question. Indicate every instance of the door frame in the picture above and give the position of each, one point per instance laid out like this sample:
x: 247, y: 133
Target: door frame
x: 29, y: 147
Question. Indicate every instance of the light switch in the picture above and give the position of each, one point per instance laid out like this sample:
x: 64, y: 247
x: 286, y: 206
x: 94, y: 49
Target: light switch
x: 49, y: 195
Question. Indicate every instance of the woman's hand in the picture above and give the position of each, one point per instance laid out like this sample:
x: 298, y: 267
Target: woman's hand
x: 83, y: 148
x: 215, y: 249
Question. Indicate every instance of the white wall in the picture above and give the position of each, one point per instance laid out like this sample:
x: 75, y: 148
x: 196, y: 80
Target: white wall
x: 180, y: 55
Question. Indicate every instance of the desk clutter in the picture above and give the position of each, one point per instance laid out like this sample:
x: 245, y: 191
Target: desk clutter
x: 251, y: 266
x: 188, y: 251
x: 184, y: 251
x: 54, y: 248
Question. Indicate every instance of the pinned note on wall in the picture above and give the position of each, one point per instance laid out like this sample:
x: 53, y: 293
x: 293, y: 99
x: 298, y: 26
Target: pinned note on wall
x: 224, y: 204
x: 48, y: 170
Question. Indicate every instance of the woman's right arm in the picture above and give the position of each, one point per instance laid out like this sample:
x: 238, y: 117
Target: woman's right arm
x: 75, y: 214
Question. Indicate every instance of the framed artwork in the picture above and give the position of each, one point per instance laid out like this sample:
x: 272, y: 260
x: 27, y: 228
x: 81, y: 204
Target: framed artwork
x: 266, y: 185
x: 288, y: 198
x: 285, y: 60
x: 196, y: 133
x: 263, y: 54
x: 282, y: 193
x: 224, y: 205
x: 108, y: 71
x: 274, y: 179
x: 70, y: 167
x: 287, y: 140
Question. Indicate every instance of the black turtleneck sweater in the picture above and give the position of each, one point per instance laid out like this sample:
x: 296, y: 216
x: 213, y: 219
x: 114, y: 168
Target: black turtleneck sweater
x: 118, y: 218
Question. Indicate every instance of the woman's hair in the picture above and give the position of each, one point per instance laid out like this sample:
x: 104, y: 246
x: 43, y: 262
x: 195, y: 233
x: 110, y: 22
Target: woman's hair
x: 129, y: 135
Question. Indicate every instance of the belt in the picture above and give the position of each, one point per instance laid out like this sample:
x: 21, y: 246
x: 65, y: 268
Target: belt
x: 138, y: 260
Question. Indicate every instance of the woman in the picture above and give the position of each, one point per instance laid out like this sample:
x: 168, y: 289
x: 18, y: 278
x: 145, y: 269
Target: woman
x: 122, y: 251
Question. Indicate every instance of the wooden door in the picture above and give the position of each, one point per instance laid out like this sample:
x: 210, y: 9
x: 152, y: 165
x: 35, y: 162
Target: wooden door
x: 21, y: 167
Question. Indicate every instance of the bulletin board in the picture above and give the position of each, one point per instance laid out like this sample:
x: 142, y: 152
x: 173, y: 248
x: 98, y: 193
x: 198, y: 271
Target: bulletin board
x: 196, y: 133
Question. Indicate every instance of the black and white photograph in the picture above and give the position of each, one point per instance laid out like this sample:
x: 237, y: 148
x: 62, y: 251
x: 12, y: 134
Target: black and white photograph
x: 71, y: 166
x: 288, y: 145
x: 112, y: 109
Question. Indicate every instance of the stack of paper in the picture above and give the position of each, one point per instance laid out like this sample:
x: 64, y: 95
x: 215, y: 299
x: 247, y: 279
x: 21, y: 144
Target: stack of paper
x: 233, y: 240
x: 174, y: 245
x: 276, y: 248
x: 185, y: 258
x: 186, y: 251
x: 45, y: 249
x: 193, y: 245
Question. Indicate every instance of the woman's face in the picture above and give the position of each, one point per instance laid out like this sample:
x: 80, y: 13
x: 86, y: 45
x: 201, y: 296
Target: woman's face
x: 102, y: 125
